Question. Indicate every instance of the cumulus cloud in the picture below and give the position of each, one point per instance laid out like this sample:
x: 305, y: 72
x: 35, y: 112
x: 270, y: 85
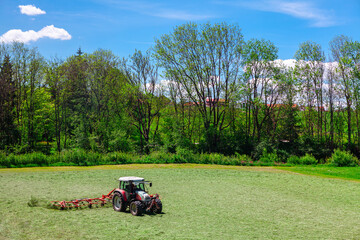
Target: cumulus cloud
x: 31, y: 10
x: 17, y: 35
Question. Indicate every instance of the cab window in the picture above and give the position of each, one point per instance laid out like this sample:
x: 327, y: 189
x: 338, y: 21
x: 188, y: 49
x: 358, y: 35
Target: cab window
x: 124, y: 185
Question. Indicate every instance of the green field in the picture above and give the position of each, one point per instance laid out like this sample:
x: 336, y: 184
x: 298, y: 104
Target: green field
x: 350, y: 173
x: 200, y: 202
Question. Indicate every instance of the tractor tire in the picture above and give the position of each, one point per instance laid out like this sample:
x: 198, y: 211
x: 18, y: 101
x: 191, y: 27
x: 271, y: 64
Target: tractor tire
x: 158, y: 207
x: 118, y: 202
x: 136, y: 208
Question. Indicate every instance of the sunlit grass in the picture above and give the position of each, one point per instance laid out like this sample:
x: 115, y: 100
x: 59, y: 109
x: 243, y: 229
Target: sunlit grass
x: 207, y: 202
x: 350, y: 173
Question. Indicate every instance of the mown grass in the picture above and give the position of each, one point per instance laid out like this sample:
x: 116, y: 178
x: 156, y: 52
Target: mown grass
x: 199, y: 203
x: 351, y: 173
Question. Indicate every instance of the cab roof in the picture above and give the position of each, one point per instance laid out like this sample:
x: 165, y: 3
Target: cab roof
x: 131, y: 179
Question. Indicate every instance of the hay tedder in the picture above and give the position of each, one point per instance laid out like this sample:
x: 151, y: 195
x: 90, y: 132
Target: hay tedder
x: 131, y: 193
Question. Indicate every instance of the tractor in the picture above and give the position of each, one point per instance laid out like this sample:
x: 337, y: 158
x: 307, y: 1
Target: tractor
x: 132, y: 193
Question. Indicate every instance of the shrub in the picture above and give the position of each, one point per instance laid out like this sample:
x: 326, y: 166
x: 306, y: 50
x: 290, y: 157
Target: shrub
x: 216, y: 158
x: 242, y: 157
x: 36, y: 158
x: 261, y: 147
x: 269, y: 157
x: 117, y: 158
x: 156, y: 157
x: 185, y: 156
x: 120, y: 141
x: 293, y: 160
x: 4, y: 160
x: 308, y: 159
x: 343, y: 159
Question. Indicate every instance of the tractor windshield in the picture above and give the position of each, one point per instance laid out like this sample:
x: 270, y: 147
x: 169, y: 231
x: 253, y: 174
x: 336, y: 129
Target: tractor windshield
x: 139, y: 186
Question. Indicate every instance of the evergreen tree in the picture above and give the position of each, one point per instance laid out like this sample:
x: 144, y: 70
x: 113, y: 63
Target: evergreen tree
x: 8, y: 131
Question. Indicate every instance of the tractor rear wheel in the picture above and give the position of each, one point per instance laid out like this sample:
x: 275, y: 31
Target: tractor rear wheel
x: 158, y: 207
x: 136, y: 208
x: 119, y: 204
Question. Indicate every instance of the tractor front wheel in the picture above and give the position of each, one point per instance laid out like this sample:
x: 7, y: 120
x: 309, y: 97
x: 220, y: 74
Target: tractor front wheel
x: 118, y: 202
x: 136, y: 208
x: 158, y: 207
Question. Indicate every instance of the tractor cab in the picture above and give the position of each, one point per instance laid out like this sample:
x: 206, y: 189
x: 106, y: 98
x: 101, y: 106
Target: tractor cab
x: 131, y: 185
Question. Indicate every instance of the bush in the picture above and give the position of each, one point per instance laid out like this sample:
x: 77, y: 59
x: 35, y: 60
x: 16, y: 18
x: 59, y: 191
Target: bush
x: 156, y: 157
x: 4, y: 160
x: 261, y: 147
x: 117, y: 158
x: 343, y: 159
x: 37, y: 158
x: 293, y: 160
x: 184, y: 156
x: 216, y: 158
x: 269, y: 157
x: 308, y: 159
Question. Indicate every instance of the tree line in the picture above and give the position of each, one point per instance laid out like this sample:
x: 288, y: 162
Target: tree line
x: 201, y: 87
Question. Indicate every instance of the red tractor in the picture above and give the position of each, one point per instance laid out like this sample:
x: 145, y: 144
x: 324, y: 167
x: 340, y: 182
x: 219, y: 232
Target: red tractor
x: 132, y: 192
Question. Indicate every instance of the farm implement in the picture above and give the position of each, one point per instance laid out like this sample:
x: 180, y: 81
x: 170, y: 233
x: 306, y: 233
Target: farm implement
x: 132, y: 193
x: 78, y: 203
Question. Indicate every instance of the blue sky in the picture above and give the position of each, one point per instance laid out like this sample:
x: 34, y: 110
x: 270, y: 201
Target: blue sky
x: 59, y: 28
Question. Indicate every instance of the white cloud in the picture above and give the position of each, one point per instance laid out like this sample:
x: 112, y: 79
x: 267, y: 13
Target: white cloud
x: 178, y: 15
x: 31, y: 10
x: 156, y: 10
x: 303, y: 10
x: 299, y: 9
x: 17, y: 35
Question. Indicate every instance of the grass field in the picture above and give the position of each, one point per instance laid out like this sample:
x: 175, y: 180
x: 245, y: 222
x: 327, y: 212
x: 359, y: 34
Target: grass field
x: 200, y: 202
x: 350, y: 173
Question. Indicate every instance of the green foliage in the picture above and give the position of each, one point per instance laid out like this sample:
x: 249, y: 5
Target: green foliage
x: 80, y: 157
x: 295, y: 160
x: 25, y: 160
x: 117, y: 158
x: 264, y: 146
x: 256, y: 50
x: 184, y: 155
x: 269, y: 157
x: 318, y: 149
x: 190, y: 55
x: 120, y: 141
x: 343, y: 159
x: 308, y: 159
x: 310, y: 51
x: 95, y: 108
x: 4, y: 160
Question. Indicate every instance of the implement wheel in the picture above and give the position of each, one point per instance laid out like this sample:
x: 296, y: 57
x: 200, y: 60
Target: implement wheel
x: 136, y: 208
x: 118, y: 202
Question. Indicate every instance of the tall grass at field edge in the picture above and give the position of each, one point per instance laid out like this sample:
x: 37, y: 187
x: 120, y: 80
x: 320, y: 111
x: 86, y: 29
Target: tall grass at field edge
x: 87, y: 158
